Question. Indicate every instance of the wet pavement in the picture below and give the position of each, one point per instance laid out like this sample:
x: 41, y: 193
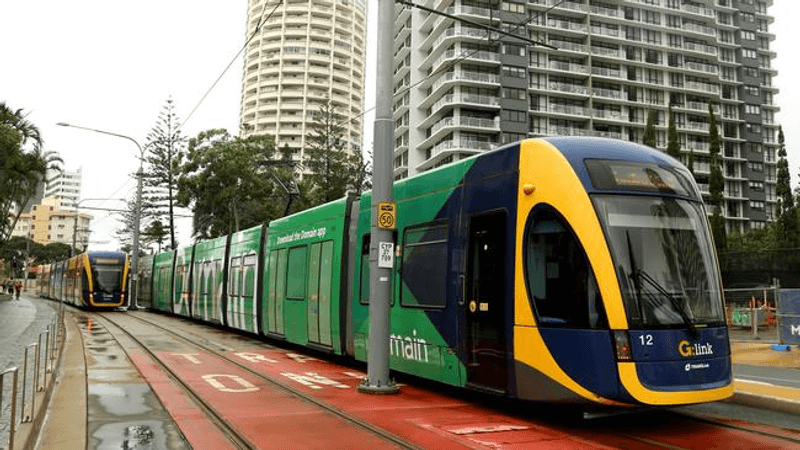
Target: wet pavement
x: 122, y: 410
x: 21, y: 323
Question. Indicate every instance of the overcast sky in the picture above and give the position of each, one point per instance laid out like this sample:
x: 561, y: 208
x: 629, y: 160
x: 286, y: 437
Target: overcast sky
x: 112, y: 66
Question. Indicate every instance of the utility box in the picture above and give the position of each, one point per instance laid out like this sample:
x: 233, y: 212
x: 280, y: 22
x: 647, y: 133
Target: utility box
x: 789, y: 316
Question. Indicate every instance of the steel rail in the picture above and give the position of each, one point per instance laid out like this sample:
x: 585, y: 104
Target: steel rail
x: 217, y: 419
x: 347, y: 417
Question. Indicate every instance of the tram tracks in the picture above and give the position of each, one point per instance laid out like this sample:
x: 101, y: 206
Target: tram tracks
x: 659, y: 429
x: 217, y: 350
x: 228, y: 430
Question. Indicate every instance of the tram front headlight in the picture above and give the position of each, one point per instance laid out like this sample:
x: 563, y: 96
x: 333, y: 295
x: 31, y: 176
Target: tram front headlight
x: 622, y: 344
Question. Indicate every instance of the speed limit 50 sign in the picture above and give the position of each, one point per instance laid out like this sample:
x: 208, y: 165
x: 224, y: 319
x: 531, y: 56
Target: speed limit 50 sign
x: 386, y: 215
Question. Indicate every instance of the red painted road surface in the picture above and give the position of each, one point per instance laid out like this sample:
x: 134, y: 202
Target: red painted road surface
x: 271, y: 417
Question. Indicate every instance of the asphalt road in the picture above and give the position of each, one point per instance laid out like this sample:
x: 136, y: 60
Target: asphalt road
x: 771, y: 375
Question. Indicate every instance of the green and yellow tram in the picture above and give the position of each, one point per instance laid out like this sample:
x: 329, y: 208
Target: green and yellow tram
x: 569, y: 270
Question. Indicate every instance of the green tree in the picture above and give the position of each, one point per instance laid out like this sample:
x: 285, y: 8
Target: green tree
x: 155, y: 233
x: 232, y: 183
x: 649, y: 138
x: 673, y: 144
x: 127, y: 219
x: 165, y: 153
x: 50, y: 253
x: 333, y: 169
x: 716, y: 183
x: 23, y: 165
x: 787, y: 227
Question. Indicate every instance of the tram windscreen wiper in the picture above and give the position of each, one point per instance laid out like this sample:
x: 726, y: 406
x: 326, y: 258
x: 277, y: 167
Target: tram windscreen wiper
x: 675, y: 303
x: 636, y: 284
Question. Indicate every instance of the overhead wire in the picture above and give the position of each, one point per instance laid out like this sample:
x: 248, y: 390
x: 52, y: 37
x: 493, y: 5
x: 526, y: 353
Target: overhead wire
x: 464, y: 55
x: 260, y: 23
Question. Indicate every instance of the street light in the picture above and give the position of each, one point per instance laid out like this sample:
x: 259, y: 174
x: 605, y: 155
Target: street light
x: 137, y: 217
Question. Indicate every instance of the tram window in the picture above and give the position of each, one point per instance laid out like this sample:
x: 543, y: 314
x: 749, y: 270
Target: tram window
x: 235, y: 273
x: 249, y: 272
x: 424, y: 269
x: 560, y: 281
x: 364, y: 280
x: 297, y: 273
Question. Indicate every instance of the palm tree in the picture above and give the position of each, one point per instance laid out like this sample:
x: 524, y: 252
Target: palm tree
x: 21, y: 171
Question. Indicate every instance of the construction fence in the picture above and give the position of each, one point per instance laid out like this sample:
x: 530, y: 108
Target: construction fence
x: 766, y: 313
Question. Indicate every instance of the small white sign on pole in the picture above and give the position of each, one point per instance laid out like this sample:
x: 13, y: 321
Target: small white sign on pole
x: 385, y: 255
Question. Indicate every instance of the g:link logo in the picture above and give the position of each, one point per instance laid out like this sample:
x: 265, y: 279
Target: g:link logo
x: 686, y: 349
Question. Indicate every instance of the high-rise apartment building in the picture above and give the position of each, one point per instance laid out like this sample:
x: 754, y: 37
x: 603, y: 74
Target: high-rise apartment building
x: 64, y: 184
x: 462, y: 90
x: 305, y: 52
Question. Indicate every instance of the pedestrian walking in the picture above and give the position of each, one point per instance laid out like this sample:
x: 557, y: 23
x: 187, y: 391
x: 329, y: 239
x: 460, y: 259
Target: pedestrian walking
x: 18, y: 287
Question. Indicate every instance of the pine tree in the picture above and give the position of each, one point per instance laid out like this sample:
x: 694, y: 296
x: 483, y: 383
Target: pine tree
x: 673, y: 145
x: 787, y: 227
x: 334, y: 170
x: 716, y: 183
x: 165, y: 153
x: 649, y: 138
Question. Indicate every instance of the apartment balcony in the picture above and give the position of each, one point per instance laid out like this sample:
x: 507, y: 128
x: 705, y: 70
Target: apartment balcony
x: 567, y: 110
x: 607, y: 93
x: 607, y: 72
x: 469, y: 56
x: 567, y: 88
x: 566, y: 25
x: 607, y: 32
x: 694, y: 126
x: 602, y: 11
x: 700, y: 67
x: 568, y: 67
x: 699, y: 48
x: 607, y: 52
x: 460, y: 33
x: 705, y: 88
x: 450, y: 79
x: 446, y: 148
x: 568, y: 46
x: 698, y: 10
x: 699, y: 29
x: 609, y: 115
x: 568, y: 5
x: 607, y: 134
x: 452, y: 100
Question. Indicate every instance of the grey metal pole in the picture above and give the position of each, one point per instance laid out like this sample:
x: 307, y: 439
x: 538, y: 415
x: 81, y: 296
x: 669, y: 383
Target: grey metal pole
x: 382, y: 239
x: 134, y: 294
x: 74, y: 229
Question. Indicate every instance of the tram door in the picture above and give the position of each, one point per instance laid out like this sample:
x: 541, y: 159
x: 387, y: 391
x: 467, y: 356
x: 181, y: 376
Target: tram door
x: 485, y: 330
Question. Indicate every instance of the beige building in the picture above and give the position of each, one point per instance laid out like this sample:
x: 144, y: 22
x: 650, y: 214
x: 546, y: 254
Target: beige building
x: 50, y: 222
x: 305, y: 52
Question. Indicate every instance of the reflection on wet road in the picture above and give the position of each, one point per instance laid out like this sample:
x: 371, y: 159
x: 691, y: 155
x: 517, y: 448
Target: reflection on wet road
x: 123, y: 412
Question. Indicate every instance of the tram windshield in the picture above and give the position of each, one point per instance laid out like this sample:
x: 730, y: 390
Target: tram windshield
x: 107, y: 278
x: 664, y: 261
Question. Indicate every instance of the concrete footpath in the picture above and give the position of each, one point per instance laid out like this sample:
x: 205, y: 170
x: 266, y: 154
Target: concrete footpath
x: 761, y: 394
x: 60, y: 419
